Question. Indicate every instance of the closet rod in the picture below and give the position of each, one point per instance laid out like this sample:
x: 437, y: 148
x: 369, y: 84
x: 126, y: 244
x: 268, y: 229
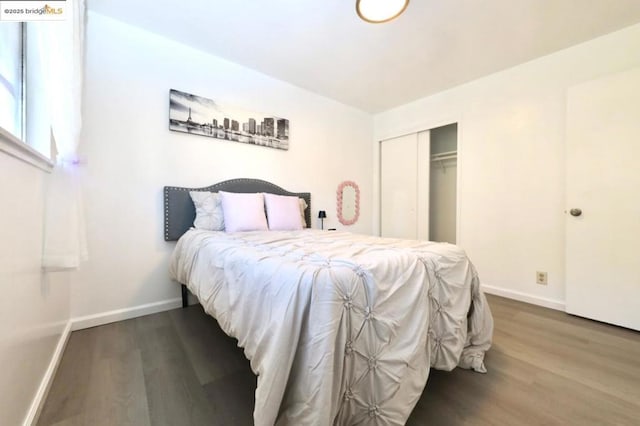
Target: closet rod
x: 444, y: 156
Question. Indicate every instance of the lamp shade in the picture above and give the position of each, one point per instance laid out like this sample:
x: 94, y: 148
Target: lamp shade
x: 378, y: 11
x: 322, y: 214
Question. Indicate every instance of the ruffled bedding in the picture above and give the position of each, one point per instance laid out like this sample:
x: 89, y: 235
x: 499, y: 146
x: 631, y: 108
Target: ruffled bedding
x: 340, y: 328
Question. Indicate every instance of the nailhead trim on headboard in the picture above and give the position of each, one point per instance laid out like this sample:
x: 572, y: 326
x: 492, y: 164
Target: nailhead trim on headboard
x: 178, y: 206
x: 167, y: 189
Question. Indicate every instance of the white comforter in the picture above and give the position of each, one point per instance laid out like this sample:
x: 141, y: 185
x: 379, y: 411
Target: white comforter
x: 340, y: 328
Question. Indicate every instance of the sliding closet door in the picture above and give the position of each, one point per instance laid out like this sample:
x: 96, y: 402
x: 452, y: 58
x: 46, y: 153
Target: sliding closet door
x: 423, y: 159
x: 404, y: 168
x: 398, y: 187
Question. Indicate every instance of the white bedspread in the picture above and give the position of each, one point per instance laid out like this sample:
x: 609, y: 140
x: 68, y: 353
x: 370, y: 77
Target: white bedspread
x: 340, y: 328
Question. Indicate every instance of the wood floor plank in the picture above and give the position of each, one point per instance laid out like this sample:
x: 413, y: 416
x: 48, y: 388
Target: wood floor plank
x: 571, y: 402
x: 71, y: 421
x: 503, y: 307
x: 212, y: 353
x: 574, y: 363
x: 175, y: 396
x: 68, y: 391
x: 116, y: 339
x: 151, y: 322
x: 476, y: 400
x: 232, y: 398
x: 117, y: 395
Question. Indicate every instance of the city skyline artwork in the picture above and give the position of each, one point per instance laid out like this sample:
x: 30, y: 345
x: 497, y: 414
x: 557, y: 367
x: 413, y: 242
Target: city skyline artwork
x: 202, y: 116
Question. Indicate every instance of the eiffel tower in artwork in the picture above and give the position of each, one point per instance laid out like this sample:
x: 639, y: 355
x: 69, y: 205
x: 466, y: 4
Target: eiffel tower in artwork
x: 190, y: 123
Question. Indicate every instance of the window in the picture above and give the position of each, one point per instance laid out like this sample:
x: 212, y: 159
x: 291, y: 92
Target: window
x: 11, y: 78
x: 15, y: 127
x: 40, y: 87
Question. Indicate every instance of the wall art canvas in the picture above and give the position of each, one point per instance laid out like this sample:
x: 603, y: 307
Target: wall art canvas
x: 201, y: 116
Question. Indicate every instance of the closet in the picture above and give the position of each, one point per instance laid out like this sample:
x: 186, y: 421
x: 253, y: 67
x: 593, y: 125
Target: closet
x: 418, y: 185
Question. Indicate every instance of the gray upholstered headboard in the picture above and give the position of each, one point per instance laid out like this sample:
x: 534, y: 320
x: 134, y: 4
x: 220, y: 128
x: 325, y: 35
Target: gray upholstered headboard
x: 179, y: 211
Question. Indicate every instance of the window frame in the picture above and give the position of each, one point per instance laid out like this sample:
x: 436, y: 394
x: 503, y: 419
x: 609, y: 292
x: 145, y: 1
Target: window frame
x: 23, y: 76
x: 16, y: 146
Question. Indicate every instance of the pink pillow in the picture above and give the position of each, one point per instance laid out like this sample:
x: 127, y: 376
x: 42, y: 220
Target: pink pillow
x: 243, y: 212
x: 283, y: 212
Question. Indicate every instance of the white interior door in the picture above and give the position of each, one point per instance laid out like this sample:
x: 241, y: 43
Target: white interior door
x: 398, y: 187
x: 404, y: 186
x: 423, y: 159
x: 603, y: 180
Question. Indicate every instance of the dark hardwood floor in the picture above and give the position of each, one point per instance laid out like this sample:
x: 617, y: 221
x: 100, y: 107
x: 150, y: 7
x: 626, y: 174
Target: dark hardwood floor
x: 179, y: 368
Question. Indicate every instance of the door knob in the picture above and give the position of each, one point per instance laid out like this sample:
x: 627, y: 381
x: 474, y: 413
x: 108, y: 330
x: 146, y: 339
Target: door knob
x: 575, y: 212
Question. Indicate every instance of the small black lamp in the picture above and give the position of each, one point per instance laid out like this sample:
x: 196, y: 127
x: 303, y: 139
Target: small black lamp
x: 322, y: 215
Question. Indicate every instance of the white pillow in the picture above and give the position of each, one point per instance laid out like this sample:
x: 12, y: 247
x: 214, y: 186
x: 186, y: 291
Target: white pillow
x: 243, y: 212
x: 283, y: 212
x: 208, y: 210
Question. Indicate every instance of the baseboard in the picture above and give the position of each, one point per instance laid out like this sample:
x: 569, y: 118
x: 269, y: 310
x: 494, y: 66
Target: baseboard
x: 525, y: 297
x: 88, y: 321
x: 45, y: 383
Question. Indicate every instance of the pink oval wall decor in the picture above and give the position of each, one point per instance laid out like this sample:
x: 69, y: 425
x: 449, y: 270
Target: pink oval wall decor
x: 341, y: 202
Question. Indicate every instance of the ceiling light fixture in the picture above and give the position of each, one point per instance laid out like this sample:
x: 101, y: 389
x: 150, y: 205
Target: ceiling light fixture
x: 378, y: 11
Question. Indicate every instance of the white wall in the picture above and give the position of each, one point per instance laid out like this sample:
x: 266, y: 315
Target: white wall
x: 511, y: 159
x: 131, y: 154
x: 34, y: 307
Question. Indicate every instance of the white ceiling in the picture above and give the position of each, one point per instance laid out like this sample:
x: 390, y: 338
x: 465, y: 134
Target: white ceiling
x: 322, y: 45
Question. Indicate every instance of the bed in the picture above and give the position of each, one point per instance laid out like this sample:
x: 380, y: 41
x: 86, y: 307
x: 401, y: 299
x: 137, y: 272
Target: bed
x: 339, y: 328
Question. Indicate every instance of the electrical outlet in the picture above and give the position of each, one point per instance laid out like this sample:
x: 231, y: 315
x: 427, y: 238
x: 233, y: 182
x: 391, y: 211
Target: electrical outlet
x: 541, y: 278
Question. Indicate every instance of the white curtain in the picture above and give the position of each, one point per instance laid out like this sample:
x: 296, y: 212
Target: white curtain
x: 60, y: 47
